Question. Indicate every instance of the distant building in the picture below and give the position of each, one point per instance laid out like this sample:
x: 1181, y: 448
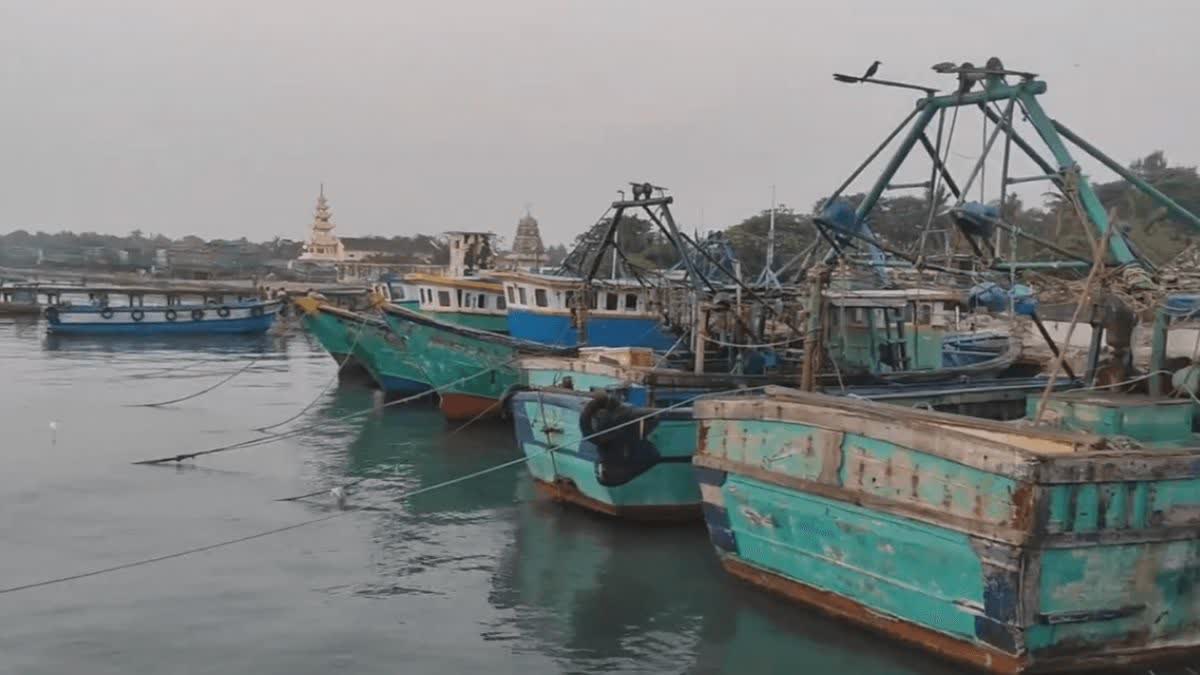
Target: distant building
x: 322, y: 244
x: 470, y: 253
x: 527, y: 249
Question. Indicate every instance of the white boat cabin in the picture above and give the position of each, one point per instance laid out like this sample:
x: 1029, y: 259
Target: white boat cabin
x: 462, y: 295
x: 545, y: 294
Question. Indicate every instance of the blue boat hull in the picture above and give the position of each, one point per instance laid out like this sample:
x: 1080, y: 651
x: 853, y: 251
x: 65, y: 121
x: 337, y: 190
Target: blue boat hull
x: 400, y: 386
x: 602, y: 331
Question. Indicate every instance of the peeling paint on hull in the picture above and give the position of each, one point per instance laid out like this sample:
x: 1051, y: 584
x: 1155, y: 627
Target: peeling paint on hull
x: 1008, y: 548
x: 646, y: 476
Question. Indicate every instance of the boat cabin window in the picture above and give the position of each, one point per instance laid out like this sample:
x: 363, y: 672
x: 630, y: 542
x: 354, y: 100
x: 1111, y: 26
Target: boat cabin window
x: 569, y: 299
x: 539, y: 296
x: 444, y: 298
x: 512, y: 297
x: 521, y: 294
x: 458, y: 294
x: 612, y: 302
x: 500, y: 304
x: 631, y: 302
x: 481, y: 301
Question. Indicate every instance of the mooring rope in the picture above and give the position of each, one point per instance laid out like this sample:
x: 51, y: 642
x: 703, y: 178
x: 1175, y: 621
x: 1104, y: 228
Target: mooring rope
x: 202, y: 392
x: 271, y: 438
x: 173, y: 369
x: 337, y: 373
x: 320, y: 519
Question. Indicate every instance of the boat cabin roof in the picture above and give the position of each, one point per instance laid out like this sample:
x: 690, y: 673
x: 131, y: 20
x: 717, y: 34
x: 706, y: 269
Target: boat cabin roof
x: 473, y: 283
x: 563, y: 282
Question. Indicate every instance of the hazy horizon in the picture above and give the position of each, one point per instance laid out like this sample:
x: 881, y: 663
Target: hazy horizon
x: 221, y: 120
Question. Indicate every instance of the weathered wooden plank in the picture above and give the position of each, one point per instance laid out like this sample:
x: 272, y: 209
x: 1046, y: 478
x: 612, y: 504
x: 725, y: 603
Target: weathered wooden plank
x: 1001, y: 532
x: 1120, y: 466
x: 953, y: 444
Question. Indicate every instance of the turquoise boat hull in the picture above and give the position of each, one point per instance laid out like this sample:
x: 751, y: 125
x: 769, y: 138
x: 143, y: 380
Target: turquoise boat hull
x: 641, y: 472
x: 1011, y: 549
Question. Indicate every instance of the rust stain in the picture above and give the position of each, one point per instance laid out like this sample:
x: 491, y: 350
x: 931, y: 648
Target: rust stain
x: 975, y: 655
x: 830, y: 450
x: 457, y: 407
x: 1024, y: 504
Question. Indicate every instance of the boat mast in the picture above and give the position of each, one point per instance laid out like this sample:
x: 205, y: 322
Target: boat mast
x: 768, y: 278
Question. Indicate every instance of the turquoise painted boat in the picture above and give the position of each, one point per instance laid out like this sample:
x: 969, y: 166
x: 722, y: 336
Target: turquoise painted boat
x: 641, y: 471
x: 569, y: 469
x: 335, y: 336
x: 472, y: 370
x: 364, y: 342
x: 1009, y: 548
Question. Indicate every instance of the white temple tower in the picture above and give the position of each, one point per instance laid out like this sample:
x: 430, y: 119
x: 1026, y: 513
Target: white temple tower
x: 322, y: 243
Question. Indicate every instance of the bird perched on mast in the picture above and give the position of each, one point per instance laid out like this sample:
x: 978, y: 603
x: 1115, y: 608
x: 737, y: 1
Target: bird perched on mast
x: 874, y: 68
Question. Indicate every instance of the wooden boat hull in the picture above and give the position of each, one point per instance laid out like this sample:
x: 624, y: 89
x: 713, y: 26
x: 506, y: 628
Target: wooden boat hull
x: 1007, y: 548
x: 488, y: 322
x: 334, y: 337
x: 245, y: 317
x: 643, y: 472
x: 388, y: 361
x: 369, y: 344
x: 471, y: 369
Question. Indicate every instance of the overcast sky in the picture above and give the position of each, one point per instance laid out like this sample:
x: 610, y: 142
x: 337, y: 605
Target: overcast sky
x: 221, y: 117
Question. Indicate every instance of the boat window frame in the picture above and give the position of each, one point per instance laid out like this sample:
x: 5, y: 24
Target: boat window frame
x: 540, y: 297
x: 443, y: 299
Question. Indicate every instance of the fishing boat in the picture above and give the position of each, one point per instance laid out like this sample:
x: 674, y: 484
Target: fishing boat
x: 566, y: 311
x: 639, y: 472
x: 212, y: 314
x: 464, y: 295
x: 473, y: 302
x: 363, y: 343
x: 1067, y: 541
x: 903, y: 345
x: 1002, y: 546
x: 471, y: 369
x: 399, y: 292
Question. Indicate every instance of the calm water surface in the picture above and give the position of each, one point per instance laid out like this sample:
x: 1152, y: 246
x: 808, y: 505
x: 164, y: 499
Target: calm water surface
x: 479, y: 576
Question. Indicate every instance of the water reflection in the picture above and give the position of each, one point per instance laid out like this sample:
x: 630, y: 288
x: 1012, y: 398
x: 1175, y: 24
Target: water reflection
x: 603, y: 595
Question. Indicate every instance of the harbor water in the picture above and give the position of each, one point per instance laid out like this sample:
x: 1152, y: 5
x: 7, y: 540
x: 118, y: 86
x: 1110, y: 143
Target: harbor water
x: 480, y: 575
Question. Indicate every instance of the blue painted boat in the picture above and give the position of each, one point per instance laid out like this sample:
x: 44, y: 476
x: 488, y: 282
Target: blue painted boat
x: 564, y: 311
x: 242, y: 316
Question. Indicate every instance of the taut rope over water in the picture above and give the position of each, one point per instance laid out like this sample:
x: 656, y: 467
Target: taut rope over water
x: 271, y: 438
x: 312, y: 521
x: 202, y: 392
